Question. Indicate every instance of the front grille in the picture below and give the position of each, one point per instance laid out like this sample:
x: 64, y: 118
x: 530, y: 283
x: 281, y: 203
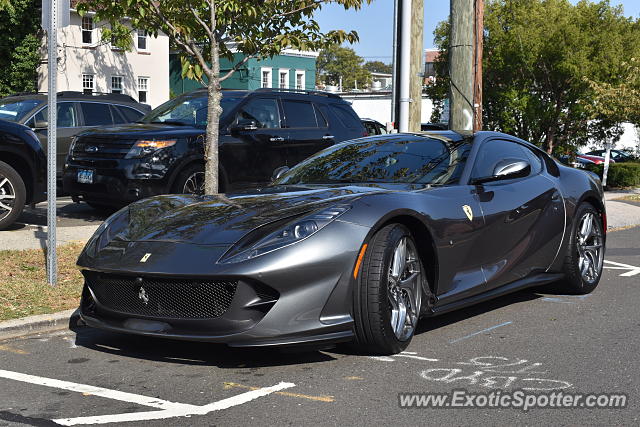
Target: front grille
x: 101, y: 148
x: 163, y: 298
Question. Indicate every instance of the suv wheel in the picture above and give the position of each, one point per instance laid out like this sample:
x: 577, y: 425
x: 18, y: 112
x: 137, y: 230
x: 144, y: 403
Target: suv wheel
x: 13, y: 195
x: 191, y: 181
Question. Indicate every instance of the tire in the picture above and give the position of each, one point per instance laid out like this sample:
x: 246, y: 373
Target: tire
x: 373, y: 299
x: 192, y: 178
x: 13, y: 195
x: 583, y: 267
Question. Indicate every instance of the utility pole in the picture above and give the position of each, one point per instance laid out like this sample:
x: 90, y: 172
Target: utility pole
x: 417, y: 65
x: 405, y: 65
x: 479, y: 46
x: 461, y: 63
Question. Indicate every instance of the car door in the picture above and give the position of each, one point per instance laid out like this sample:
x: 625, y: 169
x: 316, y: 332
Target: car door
x: 68, y: 125
x: 524, y: 217
x: 308, y: 130
x: 254, y: 143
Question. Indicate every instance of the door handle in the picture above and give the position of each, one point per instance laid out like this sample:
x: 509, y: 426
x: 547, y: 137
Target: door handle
x: 328, y: 137
x: 276, y: 139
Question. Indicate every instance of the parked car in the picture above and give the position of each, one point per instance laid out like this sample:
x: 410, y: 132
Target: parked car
x: 77, y: 112
x: 374, y: 127
x: 616, y: 155
x: 260, y: 131
x: 23, y: 171
x: 433, y: 126
x: 355, y: 243
x: 598, y: 160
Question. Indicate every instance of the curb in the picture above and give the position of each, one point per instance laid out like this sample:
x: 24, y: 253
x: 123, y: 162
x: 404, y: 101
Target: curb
x: 37, y: 324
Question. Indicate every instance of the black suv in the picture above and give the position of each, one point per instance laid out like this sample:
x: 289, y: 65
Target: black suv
x: 22, y: 171
x: 77, y: 112
x: 260, y: 131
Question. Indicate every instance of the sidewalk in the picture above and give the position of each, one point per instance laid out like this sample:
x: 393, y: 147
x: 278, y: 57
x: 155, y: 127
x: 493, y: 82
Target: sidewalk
x: 619, y: 214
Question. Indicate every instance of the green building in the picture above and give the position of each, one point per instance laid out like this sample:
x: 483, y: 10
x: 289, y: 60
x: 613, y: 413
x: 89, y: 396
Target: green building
x: 292, y: 69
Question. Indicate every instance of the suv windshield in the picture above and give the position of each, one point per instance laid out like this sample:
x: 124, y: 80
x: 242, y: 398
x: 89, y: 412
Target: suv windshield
x: 388, y: 159
x: 189, y: 110
x: 15, y: 110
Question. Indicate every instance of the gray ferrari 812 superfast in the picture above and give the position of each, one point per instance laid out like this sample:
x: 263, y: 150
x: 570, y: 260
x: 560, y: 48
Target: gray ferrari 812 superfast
x: 356, y: 243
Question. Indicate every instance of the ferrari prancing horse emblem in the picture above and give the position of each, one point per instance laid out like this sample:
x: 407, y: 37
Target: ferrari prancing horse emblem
x: 467, y: 210
x: 145, y: 258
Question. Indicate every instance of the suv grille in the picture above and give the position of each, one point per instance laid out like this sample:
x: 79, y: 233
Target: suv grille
x: 101, y: 148
x: 165, y: 298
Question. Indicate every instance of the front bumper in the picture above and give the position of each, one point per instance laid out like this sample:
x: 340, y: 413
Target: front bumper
x: 296, y: 295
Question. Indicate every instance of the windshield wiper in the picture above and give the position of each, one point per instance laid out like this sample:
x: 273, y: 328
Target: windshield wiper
x: 170, y: 122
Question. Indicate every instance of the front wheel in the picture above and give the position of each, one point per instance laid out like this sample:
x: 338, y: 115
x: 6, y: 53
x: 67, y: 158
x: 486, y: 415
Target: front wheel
x: 13, y: 194
x: 585, y: 252
x: 388, y: 293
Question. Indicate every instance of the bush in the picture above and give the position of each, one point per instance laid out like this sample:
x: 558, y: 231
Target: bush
x: 621, y: 174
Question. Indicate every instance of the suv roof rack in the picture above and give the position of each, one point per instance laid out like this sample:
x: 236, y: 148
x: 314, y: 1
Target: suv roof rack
x: 70, y: 93
x: 306, y: 91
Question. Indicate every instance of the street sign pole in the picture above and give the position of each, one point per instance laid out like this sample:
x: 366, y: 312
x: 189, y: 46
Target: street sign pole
x: 52, y: 44
x: 607, y: 159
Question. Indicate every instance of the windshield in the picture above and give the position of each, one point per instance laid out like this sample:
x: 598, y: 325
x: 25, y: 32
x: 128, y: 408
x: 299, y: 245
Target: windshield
x: 189, y: 110
x: 384, y: 159
x: 15, y: 110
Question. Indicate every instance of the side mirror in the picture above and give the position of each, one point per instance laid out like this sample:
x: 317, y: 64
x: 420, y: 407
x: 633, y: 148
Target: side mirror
x: 41, y: 124
x: 279, y: 172
x: 244, y: 125
x: 509, y: 168
x: 506, y: 169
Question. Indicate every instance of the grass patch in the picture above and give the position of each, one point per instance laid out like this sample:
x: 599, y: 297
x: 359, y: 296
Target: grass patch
x: 23, y: 282
x: 632, y: 198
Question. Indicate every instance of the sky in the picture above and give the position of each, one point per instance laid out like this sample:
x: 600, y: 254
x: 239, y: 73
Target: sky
x: 374, y: 24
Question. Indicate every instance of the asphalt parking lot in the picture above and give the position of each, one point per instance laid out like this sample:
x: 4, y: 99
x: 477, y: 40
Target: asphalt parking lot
x: 526, y: 341
x: 70, y: 214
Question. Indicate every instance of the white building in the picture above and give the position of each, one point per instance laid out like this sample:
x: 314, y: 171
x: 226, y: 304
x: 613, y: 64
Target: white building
x: 377, y: 105
x: 87, y: 64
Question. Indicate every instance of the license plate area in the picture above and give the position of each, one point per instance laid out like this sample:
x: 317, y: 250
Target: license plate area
x: 85, y: 176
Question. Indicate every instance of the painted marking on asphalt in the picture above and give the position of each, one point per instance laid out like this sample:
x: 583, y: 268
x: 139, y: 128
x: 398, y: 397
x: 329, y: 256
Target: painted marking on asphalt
x: 12, y: 350
x: 633, y: 270
x: 407, y: 354
x: 168, y: 409
x: 189, y: 410
x: 282, y: 393
x: 480, y: 332
x: 353, y: 378
x: 412, y: 356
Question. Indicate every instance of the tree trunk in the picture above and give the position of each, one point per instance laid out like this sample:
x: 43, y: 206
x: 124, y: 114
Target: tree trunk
x: 213, y: 117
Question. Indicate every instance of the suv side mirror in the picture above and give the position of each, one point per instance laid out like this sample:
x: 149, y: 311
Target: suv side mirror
x: 41, y: 124
x: 279, y: 172
x: 506, y: 169
x: 244, y: 125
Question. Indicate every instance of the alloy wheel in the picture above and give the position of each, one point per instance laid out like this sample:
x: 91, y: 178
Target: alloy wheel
x: 7, y: 196
x: 590, y: 247
x: 194, y: 184
x: 404, y: 289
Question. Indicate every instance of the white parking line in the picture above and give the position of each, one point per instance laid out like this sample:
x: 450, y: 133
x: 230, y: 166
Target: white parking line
x: 633, y: 270
x: 169, y: 409
x: 479, y: 332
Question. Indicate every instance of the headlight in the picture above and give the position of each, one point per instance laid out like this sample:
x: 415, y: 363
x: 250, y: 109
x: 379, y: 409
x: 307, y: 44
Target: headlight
x: 144, y: 147
x: 107, y: 231
x: 294, y: 232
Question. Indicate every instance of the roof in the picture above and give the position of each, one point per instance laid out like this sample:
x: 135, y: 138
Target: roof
x: 431, y: 55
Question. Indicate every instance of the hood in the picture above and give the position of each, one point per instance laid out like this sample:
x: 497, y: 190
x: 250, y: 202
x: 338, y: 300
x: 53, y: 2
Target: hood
x: 142, y: 130
x: 223, y: 220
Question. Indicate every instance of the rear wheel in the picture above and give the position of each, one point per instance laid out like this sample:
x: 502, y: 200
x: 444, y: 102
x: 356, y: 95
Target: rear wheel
x: 388, y: 294
x: 585, y: 252
x: 13, y: 194
x: 191, y: 181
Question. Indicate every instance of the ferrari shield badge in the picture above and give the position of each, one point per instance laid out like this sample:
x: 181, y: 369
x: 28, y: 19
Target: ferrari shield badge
x: 146, y: 256
x: 467, y: 210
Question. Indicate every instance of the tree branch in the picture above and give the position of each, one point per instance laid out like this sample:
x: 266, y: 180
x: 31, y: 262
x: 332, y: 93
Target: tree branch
x: 202, y: 23
x: 236, y: 67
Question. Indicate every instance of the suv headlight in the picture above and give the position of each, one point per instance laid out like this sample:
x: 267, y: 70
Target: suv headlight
x: 291, y: 233
x: 143, y: 147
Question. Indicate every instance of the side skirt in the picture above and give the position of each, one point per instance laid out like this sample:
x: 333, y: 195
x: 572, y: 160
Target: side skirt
x: 441, y: 307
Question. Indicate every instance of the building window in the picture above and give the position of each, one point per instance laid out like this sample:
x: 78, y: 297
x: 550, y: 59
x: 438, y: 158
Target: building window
x: 300, y: 75
x: 284, y: 79
x: 116, y: 84
x: 141, y: 40
x: 87, y: 84
x: 143, y: 89
x: 266, y: 77
x: 87, y: 30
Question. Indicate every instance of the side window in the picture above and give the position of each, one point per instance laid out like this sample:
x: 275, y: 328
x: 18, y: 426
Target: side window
x: 322, y: 120
x: 264, y: 111
x: 493, y: 152
x: 67, y: 116
x: 118, y: 119
x: 370, y: 127
x: 534, y: 161
x: 299, y: 114
x: 96, y: 114
x: 129, y: 114
x: 348, y: 118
